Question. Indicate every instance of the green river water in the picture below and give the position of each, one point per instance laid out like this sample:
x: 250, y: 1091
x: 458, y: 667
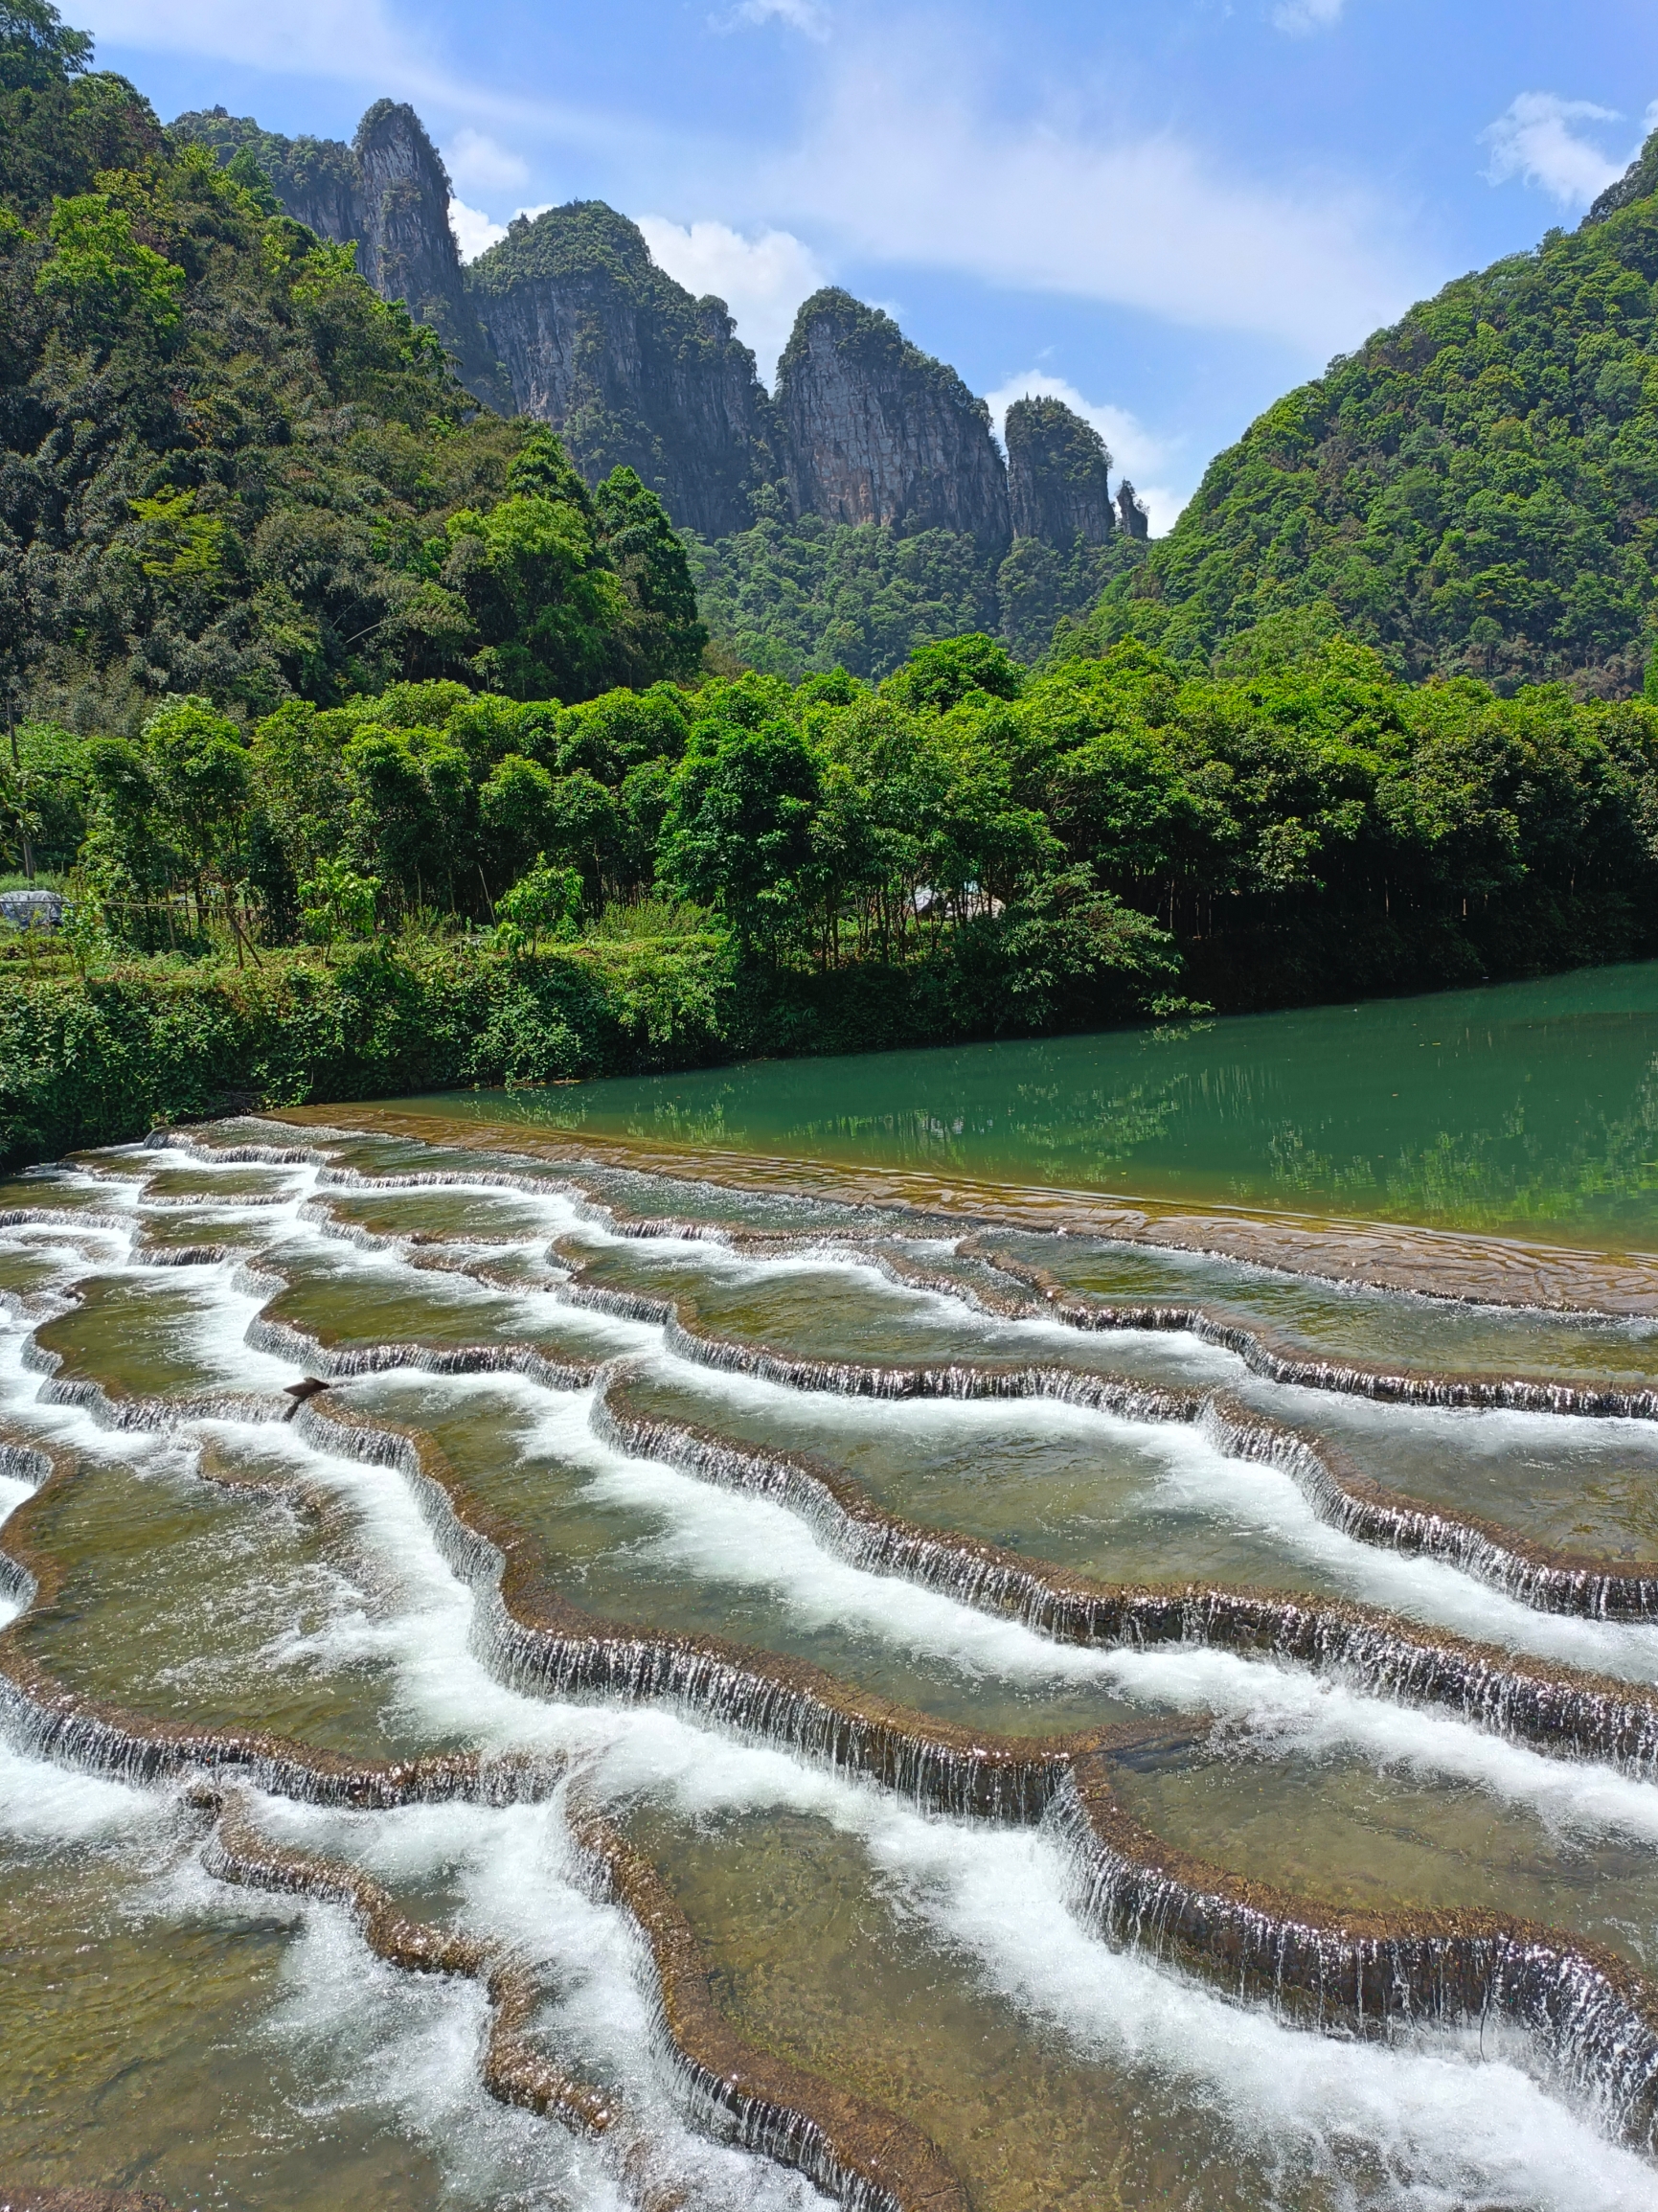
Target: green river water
x: 1524, y: 1107
x: 599, y: 1365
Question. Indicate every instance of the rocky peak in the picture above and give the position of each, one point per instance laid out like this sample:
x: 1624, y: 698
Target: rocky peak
x: 875, y: 430
x: 625, y: 364
x: 406, y: 248
x: 387, y: 193
x: 1059, y: 475
x: 1132, y: 512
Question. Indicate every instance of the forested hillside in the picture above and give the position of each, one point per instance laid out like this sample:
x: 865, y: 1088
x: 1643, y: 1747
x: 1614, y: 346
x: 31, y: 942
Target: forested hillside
x: 1474, y: 491
x: 230, y: 469
x: 371, y: 749
x: 866, y: 512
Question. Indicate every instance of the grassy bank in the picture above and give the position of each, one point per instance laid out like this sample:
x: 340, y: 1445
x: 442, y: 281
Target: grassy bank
x: 102, y: 1053
x: 104, y: 1056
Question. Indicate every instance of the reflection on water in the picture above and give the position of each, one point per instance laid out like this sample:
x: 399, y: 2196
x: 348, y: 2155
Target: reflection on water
x: 1530, y: 1106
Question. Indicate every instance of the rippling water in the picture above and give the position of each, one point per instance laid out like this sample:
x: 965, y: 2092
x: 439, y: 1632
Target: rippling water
x: 858, y: 1705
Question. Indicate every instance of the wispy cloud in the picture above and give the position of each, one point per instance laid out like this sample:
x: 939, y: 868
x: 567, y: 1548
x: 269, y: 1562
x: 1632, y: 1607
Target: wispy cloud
x: 295, y: 35
x: 805, y: 16
x: 1537, y: 138
x: 901, y: 153
x: 474, y: 232
x: 762, y: 279
x: 1150, y: 462
x: 1300, y: 16
x: 905, y: 162
x: 478, y: 163
x: 303, y: 38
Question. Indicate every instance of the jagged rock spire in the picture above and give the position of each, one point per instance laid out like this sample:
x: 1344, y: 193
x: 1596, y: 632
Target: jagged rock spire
x: 1059, y: 474
x: 875, y: 430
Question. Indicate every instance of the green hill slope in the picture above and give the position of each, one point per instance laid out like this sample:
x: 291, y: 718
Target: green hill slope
x: 1474, y: 491
x: 228, y: 468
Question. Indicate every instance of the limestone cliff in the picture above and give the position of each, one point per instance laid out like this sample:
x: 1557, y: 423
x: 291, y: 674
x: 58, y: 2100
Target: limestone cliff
x: 388, y: 193
x: 1059, y: 475
x: 875, y: 430
x: 625, y: 364
x: 569, y: 319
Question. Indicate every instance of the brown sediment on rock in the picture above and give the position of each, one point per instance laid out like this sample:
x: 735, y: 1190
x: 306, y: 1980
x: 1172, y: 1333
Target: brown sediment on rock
x: 1596, y: 2018
x: 855, y: 2151
x: 1533, y: 1573
x: 514, y: 2071
x: 1541, y: 1576
x: 1547, y: 1578
x: 852, y: 2149
x: 865, y: 2157
x: 341, y: 1360
x: 1591, y: 2012
x: 1463, y: 1266
x: 1544, y: 1577
x: 1549, y: 1708
x: 150, y: 1252
x: 87, y: 1731
x: 25, y: 2197
x: 111, y: 1407
x: 537, y: 1640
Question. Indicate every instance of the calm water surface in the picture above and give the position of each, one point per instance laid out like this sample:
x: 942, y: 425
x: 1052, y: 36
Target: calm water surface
x: 1523, y: 1106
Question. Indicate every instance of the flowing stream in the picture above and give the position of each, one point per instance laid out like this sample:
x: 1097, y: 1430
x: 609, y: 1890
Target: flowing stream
x: 529, y: 1679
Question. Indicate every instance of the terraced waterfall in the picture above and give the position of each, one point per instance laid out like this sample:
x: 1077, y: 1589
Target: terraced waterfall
x: 540, y: 1675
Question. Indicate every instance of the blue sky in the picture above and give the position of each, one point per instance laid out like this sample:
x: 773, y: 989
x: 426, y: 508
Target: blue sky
x: 1169, y: 211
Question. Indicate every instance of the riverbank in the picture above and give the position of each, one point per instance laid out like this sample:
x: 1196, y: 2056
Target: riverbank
x: 102, y: 1057
x: 103, y: 1054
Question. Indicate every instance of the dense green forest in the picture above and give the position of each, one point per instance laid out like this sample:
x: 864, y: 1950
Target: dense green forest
x: 1474, y: 491
x: 674, y: 874
x: 231, y: 470
x: 802, y: 596
x: 372, y: 751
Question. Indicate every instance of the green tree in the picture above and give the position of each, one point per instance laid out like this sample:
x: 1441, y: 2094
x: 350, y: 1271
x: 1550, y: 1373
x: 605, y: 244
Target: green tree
x: 37, y: 47
x: 112, y: 284
x: 737, y: 830
x: 941, y: 675
x: 664, y: 633
x: 516, y: 809
x: 543, y: 903
x: 337, y: 904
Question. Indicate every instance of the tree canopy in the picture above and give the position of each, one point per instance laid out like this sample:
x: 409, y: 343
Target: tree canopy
x: 1472, y: 490
x: 228, y: 468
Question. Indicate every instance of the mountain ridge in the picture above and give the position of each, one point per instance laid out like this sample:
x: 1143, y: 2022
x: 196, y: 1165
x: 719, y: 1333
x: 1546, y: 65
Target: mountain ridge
x: 595, y: 338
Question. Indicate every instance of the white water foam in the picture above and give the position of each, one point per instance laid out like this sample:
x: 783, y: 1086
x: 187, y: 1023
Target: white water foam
x: 1287, y: 1712
x: 1445, y: 2129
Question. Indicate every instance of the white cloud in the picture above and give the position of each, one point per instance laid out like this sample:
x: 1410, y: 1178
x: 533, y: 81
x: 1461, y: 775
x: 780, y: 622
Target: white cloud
x: 474, y: 233
x: 907, y: 161
x: 1136, y: 451
x: 303, y: 38
x: 1299, y: 16
x: 802, y: 15
x: 478, y: 164
x: 1535, y: 139
x: 763, y: 280
x: 296, y: 37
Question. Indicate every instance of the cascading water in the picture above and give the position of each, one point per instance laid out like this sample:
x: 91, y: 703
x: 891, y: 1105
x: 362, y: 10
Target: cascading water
x: 558, y: 1631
